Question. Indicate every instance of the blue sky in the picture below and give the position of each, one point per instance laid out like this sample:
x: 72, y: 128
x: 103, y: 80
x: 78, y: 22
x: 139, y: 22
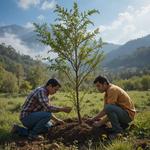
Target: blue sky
x: 119, y: 20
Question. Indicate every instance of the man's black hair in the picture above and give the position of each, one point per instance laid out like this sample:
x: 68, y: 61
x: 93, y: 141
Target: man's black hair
x: 53, y: 83
x: 101, y: 80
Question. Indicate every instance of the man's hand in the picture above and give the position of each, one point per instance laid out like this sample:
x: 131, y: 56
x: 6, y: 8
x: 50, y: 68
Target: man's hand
x: 89, y: 120
x: 97, y: 124
x: 92, y: 119
x: 66, y: 109
x: 60, y: 121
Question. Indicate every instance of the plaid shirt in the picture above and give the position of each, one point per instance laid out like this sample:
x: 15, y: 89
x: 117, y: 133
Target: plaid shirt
x: 36, y: 101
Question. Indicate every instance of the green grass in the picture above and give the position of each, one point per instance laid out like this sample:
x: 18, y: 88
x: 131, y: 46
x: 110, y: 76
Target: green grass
x: 93, y: 102
x: 120, y: 145
x: 141, y: 99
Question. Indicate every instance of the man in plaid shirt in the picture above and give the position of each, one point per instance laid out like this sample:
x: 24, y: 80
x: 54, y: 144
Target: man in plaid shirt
x: 36, y: 111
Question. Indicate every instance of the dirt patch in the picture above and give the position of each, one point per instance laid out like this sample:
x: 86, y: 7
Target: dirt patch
x: 72, y: 131
x: 69, y: 134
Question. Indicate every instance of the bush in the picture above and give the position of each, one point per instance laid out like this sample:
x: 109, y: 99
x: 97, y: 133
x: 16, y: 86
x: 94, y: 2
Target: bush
x: 8, y: 82
x: 135, y: 83
x: 25, y: 87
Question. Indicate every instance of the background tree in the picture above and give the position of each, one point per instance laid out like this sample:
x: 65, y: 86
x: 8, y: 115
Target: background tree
x: 19, y: 73
x: 77, y: 49
x: 8, y: 82
x: 37, y: 75
x: 25, y: 87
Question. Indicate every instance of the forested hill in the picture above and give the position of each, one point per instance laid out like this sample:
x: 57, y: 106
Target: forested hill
x: 138, y: 59
x: 9, y: 58
x: 20, y: 72
x: 127, y: 49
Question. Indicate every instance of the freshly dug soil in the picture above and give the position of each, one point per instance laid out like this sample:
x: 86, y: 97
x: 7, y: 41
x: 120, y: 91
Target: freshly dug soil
x: 68, y: 134
x: 73, y: 131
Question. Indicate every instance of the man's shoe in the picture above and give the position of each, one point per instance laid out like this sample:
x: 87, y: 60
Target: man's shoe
x: 124, y: 126
x: 115, y: 135
x: 35, y: 138
x: 14, y: 129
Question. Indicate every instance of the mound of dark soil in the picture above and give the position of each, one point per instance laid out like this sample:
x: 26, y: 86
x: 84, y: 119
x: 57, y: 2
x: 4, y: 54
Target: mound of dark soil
x: 73, y: 131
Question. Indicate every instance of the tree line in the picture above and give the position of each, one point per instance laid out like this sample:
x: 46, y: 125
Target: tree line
x: 135, y: 83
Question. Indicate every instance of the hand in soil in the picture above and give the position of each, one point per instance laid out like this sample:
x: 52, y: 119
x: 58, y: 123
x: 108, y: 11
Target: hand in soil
x: 89, y: 120
x: 61, y: 122
x: 97, y: 124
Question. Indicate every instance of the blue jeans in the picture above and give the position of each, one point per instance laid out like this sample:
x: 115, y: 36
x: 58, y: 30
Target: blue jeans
x: 35, y: 123
x: 117, y: 116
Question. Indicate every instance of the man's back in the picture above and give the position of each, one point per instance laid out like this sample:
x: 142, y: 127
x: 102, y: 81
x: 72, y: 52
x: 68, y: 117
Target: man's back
x: 116, y: 95
x: 33, y: 103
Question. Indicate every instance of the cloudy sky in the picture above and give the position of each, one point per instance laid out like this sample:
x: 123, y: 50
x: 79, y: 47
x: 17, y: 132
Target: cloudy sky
x: 119, y: 20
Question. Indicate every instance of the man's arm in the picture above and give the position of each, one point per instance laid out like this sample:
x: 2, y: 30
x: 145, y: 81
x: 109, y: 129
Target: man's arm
x: 55, y: 119
x: 43, y: 99
x: 99, y: 115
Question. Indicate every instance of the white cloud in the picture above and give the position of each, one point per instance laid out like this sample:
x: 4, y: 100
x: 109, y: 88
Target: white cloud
x: 41, y: 17
x: 131, y: 24
x: 25, y: 4
x: 29, y: 25
x: 15, y: 42
x: 22, y: 48
x: 44, y: 54
x: 48, y: 5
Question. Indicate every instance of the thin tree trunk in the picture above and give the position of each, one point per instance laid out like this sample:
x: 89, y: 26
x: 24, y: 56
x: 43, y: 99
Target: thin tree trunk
x: 78, y: 104
x: 77, y: 87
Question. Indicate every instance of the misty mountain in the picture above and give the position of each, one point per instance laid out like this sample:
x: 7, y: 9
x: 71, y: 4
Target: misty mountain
x: 140, y: 58
x: 115, y: 54
x: 108, y: 47
x: 127, y: 49
x: 27, y: 36
x: 12, y: 29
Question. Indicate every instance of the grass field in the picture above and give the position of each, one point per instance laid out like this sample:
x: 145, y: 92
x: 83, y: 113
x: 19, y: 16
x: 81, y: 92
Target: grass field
x: 93, y: 102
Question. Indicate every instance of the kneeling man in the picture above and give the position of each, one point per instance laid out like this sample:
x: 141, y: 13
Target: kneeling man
x: 118, y: 106
x: 36, y: 111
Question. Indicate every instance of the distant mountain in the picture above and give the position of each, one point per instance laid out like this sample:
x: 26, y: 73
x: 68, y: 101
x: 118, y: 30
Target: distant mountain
x: 26, y: 35
x: 29, y: 38
x: 127, y: 49
x: 108, y: 47
x: 140, y: 58
x: 115, y: 54
x: 12, y: 29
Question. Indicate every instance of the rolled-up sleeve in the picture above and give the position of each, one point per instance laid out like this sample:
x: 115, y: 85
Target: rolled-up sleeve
x: 44, y: 101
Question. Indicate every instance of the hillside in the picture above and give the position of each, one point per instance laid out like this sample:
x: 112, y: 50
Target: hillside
x: 109, y: 47
x: 9, y: 58
x: 20, y: 73
x: 117, y: 56
x: 127, y: 49
x: 138, y: 59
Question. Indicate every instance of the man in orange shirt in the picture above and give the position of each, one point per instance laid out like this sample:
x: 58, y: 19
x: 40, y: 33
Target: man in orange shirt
x: 118, y: 106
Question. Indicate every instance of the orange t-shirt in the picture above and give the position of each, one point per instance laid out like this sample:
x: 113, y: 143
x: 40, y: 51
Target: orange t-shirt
x: 116, y: 95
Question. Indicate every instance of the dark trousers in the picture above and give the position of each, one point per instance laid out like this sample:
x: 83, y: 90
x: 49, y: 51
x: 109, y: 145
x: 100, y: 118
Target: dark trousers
x: 118, y: 117
x: 35, y: 123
